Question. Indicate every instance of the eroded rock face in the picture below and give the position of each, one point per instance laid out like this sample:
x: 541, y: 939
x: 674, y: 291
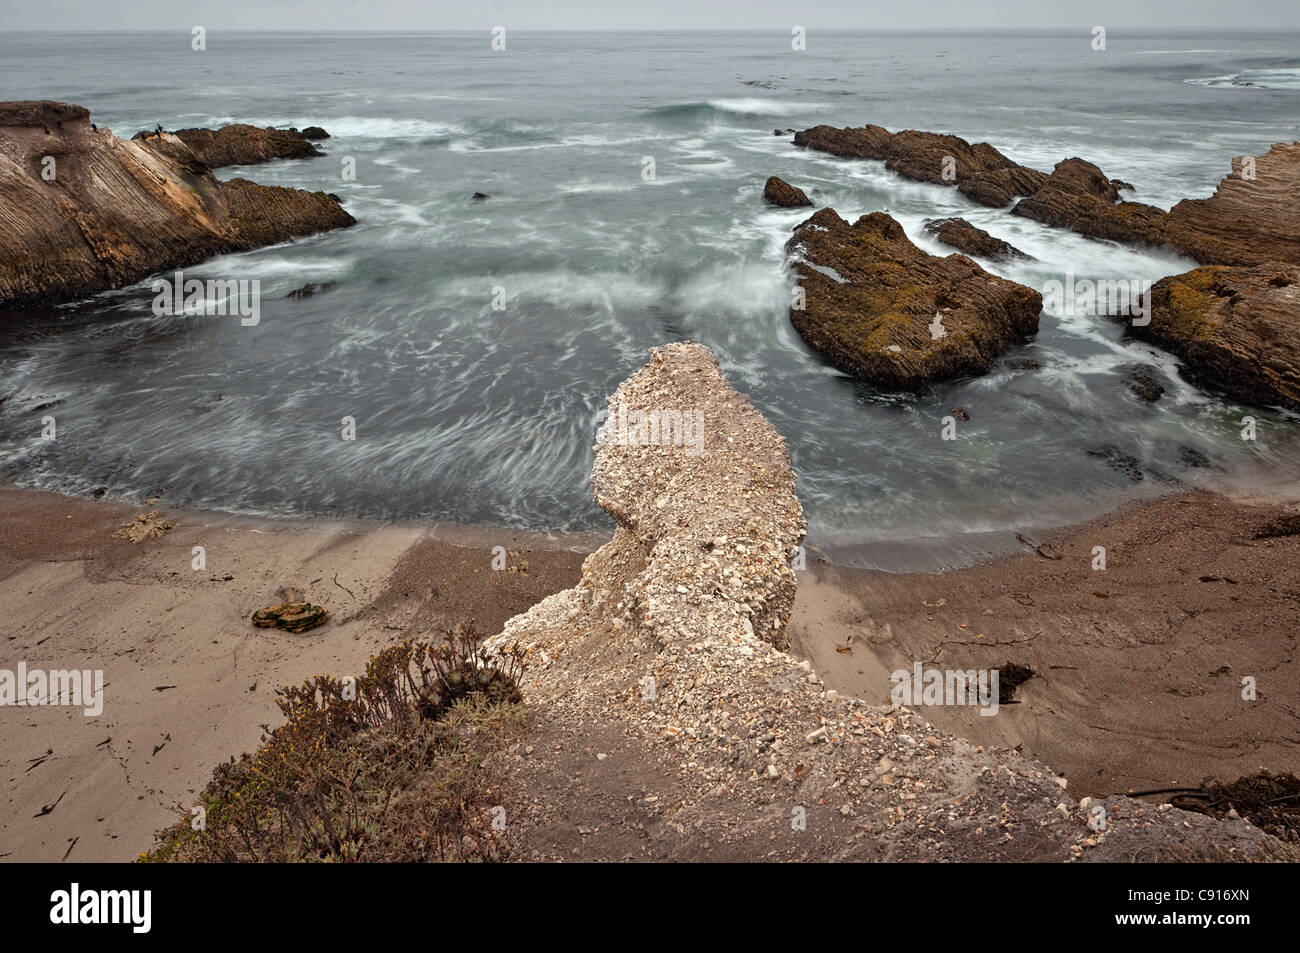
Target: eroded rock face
x: 242, y: 144
x: 112, y: 212
x: 882, y: 309
x: 1236, y: 327
x: 782, y: 193
x: 1248, y: 220
x: 1078, y: 196
x: 965, y: 237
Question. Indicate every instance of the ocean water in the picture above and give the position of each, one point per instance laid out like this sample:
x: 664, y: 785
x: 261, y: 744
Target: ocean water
x: 474, y: 415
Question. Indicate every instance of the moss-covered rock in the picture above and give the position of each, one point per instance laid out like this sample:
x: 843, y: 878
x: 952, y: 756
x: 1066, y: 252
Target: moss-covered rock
x: 882, y: 309
x: 1236, y: 328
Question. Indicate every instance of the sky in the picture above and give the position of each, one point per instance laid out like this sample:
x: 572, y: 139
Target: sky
x: 438, y: 15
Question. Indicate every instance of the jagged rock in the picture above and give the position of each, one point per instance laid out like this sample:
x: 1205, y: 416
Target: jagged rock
x: 1079, y: 197
x: 242, y: 144
x: 782, y: 193
x: 881, y: 309
x: 979, y: 170
x: 117, y: 211
x: 315, y: 133
x: 1246, y: 221
x: 266, y: 214
x: 480, y: 195
x: 965, y: 237
x: 1236, y: 327
x: 290, y: 616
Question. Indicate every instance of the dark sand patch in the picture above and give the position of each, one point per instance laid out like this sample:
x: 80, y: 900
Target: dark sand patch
x: 1139, y: 667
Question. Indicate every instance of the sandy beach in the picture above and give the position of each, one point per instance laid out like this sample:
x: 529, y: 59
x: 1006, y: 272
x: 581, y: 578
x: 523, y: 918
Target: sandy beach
x: 1138, y: 667
x: 188, y: 681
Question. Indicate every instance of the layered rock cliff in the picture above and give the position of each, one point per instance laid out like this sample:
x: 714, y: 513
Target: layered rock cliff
x: 82, y: 211
x: 662, y: 676
x: 1252, y: 217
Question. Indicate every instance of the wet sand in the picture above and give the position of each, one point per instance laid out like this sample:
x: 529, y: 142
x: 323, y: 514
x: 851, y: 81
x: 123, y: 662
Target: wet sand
x: 187, y: 679
x: 1140, y: 665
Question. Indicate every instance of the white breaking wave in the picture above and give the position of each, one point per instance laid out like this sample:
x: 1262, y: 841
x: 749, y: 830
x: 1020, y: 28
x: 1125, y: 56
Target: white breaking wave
x: 356, y: 127
x: 750, y: 106
x: 1285, y: 78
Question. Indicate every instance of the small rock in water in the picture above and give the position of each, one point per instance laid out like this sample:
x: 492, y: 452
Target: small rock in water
x: 1143, y: 383
x: 480, y: 195
x: 780, y: 192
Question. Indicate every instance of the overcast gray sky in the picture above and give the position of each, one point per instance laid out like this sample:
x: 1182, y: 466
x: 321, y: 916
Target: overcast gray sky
x: 421, y: 15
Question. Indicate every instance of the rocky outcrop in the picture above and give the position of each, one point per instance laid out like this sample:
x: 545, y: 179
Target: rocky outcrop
x: 242, y: 144
x: 979, y: 170
x: 962, y: 235
x: 82, y: 211
x: 1078, y: 196
x: 662, y: 671
x: 1237, y: 328
x: 782, y: 193
x: 314, y: 133
x: 707, y: 520
x: 882, y: 309
x: 1253, y: 216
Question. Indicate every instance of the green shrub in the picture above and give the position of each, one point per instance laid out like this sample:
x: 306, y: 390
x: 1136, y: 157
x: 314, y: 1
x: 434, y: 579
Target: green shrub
x: 388, y: 767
